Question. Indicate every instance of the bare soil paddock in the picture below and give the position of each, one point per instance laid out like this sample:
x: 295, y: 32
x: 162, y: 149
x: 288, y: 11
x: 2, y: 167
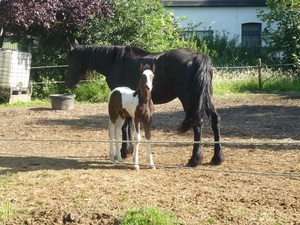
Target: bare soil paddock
x: 46, y: 178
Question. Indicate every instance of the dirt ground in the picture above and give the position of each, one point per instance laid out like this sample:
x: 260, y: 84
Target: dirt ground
x: 54, y: 167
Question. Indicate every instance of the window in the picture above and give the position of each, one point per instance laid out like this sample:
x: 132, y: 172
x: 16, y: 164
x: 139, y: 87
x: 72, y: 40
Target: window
x: 251, y: 36
x: 203, y: 33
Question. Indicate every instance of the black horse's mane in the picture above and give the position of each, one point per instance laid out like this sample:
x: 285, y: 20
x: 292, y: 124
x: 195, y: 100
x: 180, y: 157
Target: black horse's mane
x: 98, y: 55
x: 135, y: 51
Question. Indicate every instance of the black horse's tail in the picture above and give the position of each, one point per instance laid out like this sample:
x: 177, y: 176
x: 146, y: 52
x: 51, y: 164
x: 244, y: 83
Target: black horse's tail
x: 200, y: 95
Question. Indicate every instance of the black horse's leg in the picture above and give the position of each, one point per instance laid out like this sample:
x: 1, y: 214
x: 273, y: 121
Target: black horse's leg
x: 197, y: 156
x: 219, y: 156
x: 127, y: 147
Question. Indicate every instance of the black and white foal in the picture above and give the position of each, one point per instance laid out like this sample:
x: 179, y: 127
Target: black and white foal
x: 123, y: 102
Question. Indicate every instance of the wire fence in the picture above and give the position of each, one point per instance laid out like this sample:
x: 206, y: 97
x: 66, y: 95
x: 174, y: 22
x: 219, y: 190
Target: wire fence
x: 209, y: 169
x: 257, y: 68
x: 290, y: 175
x: 237, y: 72
x: 162, y: 142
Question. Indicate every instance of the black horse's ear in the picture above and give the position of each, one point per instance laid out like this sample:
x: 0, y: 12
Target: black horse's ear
x: 71, y: 47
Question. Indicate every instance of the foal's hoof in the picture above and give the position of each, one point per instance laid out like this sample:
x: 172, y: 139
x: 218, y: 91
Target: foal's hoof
x: 136, y: 167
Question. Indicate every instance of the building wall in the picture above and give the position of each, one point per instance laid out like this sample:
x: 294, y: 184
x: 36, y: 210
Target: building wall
x: 8, y: 45
x: 228, y: 19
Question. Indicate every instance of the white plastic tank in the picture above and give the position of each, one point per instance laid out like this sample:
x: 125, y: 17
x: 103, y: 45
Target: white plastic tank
x: 14, y: 69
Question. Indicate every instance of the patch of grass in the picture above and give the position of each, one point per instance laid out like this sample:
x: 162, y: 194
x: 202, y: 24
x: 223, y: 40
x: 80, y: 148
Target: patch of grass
x: 6, y: 211
x: 232, y: 82
x: 148, y: 216
x: 124, y: 199
x: 234, y: 86
x: 6, y: 208
x: 283, y: 85
x: 25, y: 104
x: 80, y: 197
x: 5, y: 179
x: 211, y: 220
x: 43, y: 174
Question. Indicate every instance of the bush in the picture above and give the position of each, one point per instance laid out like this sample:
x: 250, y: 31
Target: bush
x: 223, y: 50
x: 94, y: 91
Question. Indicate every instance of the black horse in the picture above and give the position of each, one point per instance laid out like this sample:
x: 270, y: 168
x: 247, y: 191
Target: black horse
x: 181, y: 73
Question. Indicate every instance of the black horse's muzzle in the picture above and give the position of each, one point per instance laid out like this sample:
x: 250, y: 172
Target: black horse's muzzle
x: 70, y: 84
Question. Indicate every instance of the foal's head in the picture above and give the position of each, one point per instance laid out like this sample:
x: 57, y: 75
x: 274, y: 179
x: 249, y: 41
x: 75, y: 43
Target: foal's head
x: 147, y: 77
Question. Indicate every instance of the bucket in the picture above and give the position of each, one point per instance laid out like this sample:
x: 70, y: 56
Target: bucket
x: 62, y: 101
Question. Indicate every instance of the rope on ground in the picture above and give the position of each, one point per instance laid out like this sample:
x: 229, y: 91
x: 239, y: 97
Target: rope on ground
x: 162, y: 166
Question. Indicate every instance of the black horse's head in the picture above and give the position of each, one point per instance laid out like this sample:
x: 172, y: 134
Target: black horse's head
x: 75, y: 71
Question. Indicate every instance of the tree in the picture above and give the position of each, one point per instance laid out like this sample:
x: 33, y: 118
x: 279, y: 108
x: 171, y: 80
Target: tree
x: 285, y: 37
x: 39, y: 19
x: 142, y: 23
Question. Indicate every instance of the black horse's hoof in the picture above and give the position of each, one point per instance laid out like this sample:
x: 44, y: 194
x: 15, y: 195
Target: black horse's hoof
x: 195, y: 161
x: 127, y: 151
x: 217, y: 159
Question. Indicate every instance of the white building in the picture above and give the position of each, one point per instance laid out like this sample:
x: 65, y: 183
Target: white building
x: 238, y: 18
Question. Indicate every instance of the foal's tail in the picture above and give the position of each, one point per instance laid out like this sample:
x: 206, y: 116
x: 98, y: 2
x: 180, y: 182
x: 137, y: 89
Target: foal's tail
x: 200, y: 95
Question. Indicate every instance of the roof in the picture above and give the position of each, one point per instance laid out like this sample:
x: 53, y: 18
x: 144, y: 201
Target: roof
x: 214, y: 3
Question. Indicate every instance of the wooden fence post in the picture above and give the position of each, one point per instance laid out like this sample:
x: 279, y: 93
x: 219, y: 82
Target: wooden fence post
x: 259, y: 75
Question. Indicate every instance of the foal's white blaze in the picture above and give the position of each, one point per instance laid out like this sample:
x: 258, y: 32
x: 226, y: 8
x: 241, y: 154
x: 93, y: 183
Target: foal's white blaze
x: 148, y: 74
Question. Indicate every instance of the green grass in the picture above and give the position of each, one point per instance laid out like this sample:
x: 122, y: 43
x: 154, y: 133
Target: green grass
x: 283, y: 85
x: 26, y: 104
x: 4, y: 180
x: 6, y: 209
x: 148, y: 216
x: 232, y: 87
x: 232, y: 82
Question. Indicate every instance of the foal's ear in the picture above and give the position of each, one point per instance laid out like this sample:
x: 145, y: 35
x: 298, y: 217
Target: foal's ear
x: 141, y: 66
x: 153, y: 67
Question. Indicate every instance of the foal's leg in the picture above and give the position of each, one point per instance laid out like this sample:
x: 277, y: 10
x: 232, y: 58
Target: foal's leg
x: 137, y: 138
x: 148, y: 138
x: 118, y: 126
x: 127, y: 147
